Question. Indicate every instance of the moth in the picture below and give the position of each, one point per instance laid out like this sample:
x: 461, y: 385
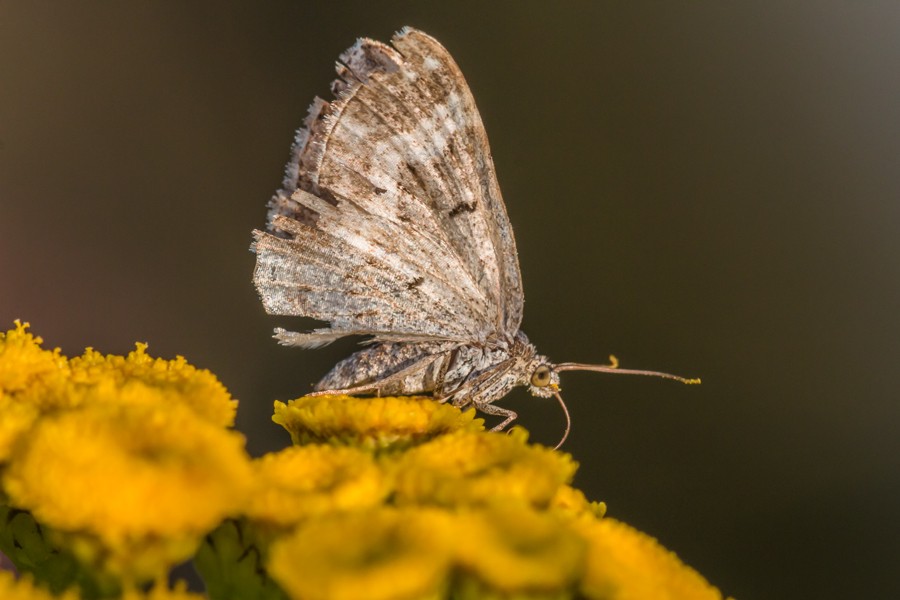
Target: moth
x: 390, y: 224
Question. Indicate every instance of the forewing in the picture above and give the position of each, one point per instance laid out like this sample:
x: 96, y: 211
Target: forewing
x: 364, y: 276
x: 391, y: 222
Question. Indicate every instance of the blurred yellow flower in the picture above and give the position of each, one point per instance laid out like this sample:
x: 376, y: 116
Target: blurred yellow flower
x: 375, y: 423
x: 466, y: 467
x: 134, y: 487
x: 625, y: 564
x: 514, y: 549
x: 381, y: 554
x: 16, y: 417
x: 139, y: 378
x: 571, y: 502
x: 33, y: 380
x: 303, y: 481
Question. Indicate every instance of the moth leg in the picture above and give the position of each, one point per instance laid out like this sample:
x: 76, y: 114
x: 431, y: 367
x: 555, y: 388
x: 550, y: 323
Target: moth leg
x: 492, y: 409
x: 442, y: 376
x: 440, y: 399
x: 350, y: 391
x: 375, y: 386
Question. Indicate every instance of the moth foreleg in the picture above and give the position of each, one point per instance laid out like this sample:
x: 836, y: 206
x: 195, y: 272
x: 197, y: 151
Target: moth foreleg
x: 492, y: 409
x: 442, y: 375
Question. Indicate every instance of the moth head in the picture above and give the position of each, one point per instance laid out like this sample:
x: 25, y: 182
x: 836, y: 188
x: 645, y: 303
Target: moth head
x: 543, y: 380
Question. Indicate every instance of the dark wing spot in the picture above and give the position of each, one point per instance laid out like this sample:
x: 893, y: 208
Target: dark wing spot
x: 380, y: 191
x: 415, y: 283
x: 462, y: 207
x: 326, y: 195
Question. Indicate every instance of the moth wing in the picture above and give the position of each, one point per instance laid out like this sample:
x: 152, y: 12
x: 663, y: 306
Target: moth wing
x: 391, y: 221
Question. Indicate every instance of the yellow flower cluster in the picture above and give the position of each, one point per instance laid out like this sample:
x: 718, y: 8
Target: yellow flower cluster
x: 407, y: 498
x: 125, y: 462
x: 125, y: 466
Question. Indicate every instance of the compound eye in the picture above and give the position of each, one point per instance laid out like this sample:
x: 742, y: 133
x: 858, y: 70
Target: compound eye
x: 541, y: 376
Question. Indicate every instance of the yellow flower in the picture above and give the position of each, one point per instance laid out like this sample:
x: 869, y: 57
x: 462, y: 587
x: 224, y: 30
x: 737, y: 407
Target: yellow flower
x: 375, y: 423
x: 468, y: 467
x: 307, y: 480
x: 33, y: 380
x: 23, y: 362
x: 131, y: 488
x: 16, y: 417
x: 511, y: 548
x: 125, y: 464
x: 23, y: 589
x: 383, y: 554
x: 625, y: 564
x: 141, y: 379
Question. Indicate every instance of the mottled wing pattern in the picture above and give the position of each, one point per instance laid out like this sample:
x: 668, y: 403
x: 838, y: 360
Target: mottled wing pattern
x: 391, y: 222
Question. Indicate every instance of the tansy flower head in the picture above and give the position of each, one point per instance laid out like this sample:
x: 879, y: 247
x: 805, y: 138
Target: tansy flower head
x: 135, y: 487
x: 466, y: 467
x: 382, y: 554
x: 625, y: 564
x: 514, y: 549
x: 141, y: 379
x: 304, y: 481
x: 46, y: 381
x: 375, y: 423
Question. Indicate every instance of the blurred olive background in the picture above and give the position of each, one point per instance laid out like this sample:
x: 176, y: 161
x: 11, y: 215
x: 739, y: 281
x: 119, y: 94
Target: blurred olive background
x: 705, y: 188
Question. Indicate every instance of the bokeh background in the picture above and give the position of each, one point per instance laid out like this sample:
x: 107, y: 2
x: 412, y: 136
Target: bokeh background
x: 706, y: 188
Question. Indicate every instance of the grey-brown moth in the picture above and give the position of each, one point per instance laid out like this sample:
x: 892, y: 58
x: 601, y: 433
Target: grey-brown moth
x: 390, y: 225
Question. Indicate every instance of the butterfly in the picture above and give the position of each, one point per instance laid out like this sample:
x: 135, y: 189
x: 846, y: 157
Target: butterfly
x: 390, y: 225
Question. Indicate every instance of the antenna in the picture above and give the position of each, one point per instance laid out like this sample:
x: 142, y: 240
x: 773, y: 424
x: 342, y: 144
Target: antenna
x: 613, y: 367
